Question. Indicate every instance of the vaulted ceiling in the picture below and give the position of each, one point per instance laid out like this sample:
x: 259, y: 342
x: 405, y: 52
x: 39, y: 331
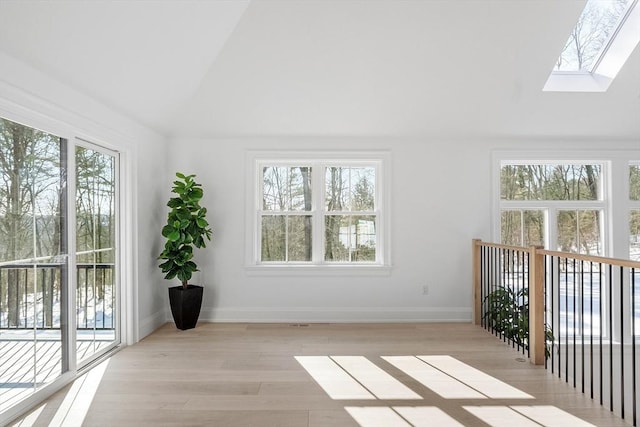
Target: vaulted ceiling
x: 424, y: 68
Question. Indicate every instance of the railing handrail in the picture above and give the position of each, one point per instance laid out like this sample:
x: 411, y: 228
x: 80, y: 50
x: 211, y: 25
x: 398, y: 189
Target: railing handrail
x: 501, y: 246
x: 621, y: 262
x: 54, y: 265
x: 34, y: 260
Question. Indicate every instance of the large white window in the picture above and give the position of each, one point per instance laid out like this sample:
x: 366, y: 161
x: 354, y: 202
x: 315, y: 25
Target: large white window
x: 318, y: 209
x: 589, y: 206
x: 559, y: 205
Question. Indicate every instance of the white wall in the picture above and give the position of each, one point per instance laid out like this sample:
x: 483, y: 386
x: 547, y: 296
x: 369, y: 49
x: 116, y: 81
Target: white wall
x: 435, y: 212
x: 34, y: 99
x: 440, y: 200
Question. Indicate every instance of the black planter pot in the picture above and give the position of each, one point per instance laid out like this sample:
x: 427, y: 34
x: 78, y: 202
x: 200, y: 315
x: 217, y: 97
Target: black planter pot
x: 185, y: 305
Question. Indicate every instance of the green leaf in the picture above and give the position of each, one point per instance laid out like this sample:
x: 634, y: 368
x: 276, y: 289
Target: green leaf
x: 166, y: 230
x: 174, y: 236
x: 167, y: 266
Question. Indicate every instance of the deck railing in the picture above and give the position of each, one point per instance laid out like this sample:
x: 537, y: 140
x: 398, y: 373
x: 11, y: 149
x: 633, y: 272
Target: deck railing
x: 579, y: 315
x: 30, y: 296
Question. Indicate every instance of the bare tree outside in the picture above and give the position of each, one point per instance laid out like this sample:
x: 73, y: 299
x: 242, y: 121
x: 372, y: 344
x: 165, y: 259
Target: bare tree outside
x: 350, y: 234
x: 577, y: 230
x: 29, y: 207
x: 347, y: 213
x: 286, y: 228
x: 592, y: 32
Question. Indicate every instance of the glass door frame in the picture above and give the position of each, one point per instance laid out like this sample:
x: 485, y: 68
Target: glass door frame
x: 74, y: 365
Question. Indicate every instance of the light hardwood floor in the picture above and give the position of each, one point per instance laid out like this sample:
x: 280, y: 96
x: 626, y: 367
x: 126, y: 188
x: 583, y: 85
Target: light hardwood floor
x: 222, y: 374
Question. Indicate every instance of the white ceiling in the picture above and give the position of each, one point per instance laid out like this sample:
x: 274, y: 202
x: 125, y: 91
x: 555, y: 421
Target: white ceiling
x: 446, y: 68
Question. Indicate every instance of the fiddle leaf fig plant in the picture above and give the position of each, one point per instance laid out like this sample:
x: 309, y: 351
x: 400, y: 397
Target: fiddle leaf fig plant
x: 186, y: 228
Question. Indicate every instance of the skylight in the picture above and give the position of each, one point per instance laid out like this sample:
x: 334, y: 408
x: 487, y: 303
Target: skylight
x: 602, y: 40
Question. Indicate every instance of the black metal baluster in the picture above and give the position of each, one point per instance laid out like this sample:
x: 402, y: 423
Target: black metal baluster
x: 483, y: 309
x: 573, y: 289
x: 633, y: 342
x: 582, y: 320
x: 591, y: 327
x: 104, y: 294
x: 566, y: 319
x: 502, y: 264
x: 610, y: 337
x: 525, y: 281
x: 86, y: 298
x: 489, y: 282
x: 514, y: 285
x: 551, y: 275
x: 26, y: 292
x: 600, y: 273
x: 494, y: 278
x: 621, y: 340
x: 486, y: 267
x: 544, y: 331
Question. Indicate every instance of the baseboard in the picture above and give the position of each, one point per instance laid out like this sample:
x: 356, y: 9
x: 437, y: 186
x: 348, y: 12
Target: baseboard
x: 333, y: 315
x: 151, y: 323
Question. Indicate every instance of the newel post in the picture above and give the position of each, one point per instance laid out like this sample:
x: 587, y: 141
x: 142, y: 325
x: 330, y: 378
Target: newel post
x: 477, y: 282
x: 536, y: 306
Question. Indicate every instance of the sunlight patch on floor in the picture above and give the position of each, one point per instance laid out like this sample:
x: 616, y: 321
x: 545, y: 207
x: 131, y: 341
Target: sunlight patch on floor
x: 337, y: 383
x: 374, y: 379
x: 78, y: 399
x: 432, y: 378
x: 376, y: 416
x: 551, y: 416
x: 500, y: 416
x: 427, y: 416
x: 356, y: 377
x: 474, y: 378
x: 30, y: 420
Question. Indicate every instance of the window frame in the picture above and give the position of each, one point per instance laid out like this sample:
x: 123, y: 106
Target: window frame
x: 550, y: 208
x: 318, y: 161
x: 614, y: 191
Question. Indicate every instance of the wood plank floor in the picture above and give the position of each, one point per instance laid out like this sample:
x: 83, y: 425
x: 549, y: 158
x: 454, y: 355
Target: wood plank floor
x: 244, y: 375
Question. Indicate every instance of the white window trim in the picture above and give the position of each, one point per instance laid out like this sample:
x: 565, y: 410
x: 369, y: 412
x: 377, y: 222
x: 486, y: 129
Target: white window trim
x: 609, y: 64
x: 254, y: 161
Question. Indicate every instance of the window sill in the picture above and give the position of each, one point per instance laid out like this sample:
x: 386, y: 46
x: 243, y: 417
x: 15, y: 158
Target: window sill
x: 577, y: 82
x: 318, y: 270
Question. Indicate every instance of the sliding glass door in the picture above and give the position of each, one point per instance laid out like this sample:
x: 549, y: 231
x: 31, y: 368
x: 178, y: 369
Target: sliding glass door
x: 96, y: 254
x: 51, y: 302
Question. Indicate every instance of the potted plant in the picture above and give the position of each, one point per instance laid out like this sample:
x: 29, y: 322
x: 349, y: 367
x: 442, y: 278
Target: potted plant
x: 507, y: 313
x: 186, y: 228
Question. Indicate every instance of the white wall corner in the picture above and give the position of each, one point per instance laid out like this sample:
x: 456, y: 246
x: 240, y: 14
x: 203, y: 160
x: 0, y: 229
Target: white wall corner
x: 152, y: 322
